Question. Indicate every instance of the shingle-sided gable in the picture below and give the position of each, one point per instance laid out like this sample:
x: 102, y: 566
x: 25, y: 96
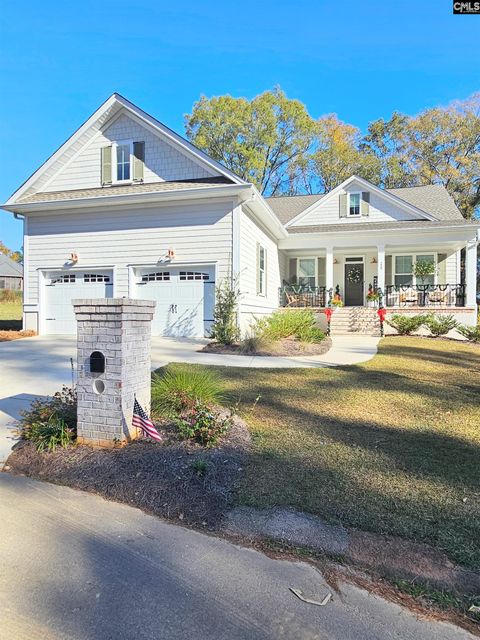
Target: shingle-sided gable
x: 163, y: 161
x: 76, y: 165
x: 430, y: 202
x: 381, y: 206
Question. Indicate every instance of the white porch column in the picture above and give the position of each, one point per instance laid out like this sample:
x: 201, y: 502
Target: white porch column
x: 471, y: 273
x: 381, y: 267
x: 329, y: 268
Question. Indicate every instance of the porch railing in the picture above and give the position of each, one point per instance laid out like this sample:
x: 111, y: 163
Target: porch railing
x: 302, y: 296
x: 424, y: 295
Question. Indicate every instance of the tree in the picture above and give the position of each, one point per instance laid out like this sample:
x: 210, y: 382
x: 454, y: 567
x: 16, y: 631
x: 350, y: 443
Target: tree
x: 440, y: 146
x: 386, y: 140
x: 264, y: 140
x: 337, y: 155
x: 445, y: 147
x: 14, y: 255
x: 273, y: 142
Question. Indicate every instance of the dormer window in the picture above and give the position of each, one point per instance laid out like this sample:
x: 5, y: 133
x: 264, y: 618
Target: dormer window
x: 123, y: 161
x: 354, y: 204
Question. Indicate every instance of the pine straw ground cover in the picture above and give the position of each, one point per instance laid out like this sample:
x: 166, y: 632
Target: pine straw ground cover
x: 390, y: 446
x: 175, y: 480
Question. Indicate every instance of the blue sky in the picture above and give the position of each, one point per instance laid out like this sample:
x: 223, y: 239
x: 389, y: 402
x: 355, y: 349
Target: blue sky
x: 60, y: 60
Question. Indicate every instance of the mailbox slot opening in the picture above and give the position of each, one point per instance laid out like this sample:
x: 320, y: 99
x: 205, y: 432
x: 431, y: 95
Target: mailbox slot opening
x: 97, y: 362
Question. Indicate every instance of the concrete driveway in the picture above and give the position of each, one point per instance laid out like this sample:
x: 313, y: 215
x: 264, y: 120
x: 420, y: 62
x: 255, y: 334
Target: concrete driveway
x: 40, y: 366
x: 76, y: 567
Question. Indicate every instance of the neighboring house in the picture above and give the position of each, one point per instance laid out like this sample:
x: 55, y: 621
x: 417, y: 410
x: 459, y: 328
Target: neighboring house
x: 11, y: 273
x: 126, y: 207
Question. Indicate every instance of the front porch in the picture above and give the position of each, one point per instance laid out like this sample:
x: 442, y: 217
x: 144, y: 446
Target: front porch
x: 386, y: 275
x: 432, y: 296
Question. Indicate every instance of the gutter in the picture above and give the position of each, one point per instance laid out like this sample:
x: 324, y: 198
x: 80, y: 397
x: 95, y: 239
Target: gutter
x: 257, y: 203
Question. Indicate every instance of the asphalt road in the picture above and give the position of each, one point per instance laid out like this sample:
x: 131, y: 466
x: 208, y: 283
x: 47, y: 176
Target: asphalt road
x: 76, y: 567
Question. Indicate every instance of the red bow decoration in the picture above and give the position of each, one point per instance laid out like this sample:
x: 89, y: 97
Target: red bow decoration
x: 328, y: 312
x: 382, y: 313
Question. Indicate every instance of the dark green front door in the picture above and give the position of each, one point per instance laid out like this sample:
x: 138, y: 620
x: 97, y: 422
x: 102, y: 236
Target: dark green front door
x: 354, y: 284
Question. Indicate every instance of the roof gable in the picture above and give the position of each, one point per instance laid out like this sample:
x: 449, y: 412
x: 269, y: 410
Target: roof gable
x: 354, y: 183
x: 9, y: 267
x: 110, y: 112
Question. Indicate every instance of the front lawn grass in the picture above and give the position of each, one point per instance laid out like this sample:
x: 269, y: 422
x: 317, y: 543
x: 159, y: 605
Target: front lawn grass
x: 390, y: 446
x: 11, y: 315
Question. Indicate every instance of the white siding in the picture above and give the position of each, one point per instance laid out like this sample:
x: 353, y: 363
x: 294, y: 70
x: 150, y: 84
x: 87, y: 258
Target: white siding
x: 162, y: 160
x: 124, y: 236
x: 251, y: 304
x: 451, y: 268
x: 381, y: 210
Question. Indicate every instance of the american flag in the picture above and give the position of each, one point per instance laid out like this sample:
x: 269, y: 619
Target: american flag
x: 143, y: 422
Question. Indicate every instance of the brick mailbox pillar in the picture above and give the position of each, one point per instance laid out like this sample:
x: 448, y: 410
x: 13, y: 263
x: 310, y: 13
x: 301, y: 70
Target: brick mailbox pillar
x: 113, y: 352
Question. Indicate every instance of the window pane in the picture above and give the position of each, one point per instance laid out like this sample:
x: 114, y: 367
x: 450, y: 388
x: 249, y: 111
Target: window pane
x: 426, y: 258
x: 403, y: 264
x: 306, y: 267
x: 402, y: 280
x: 123, y: 162
x: 261, y: 256
x: 354, y: 204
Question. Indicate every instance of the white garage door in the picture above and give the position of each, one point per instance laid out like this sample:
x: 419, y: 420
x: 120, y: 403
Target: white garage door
x: 62, y: 287
x: 185, y: 299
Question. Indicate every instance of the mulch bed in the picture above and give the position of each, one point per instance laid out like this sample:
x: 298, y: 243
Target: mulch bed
x: 286, y: 347
x: 161, y: 479
x: 6, y: 336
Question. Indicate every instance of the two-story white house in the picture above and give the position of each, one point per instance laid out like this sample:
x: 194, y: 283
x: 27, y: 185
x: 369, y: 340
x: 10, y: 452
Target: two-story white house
x: 126, y: 207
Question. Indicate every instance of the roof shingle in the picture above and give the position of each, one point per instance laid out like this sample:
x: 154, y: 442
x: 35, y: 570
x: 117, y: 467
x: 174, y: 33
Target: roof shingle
x: 432, y: 198
x: 118, y: 190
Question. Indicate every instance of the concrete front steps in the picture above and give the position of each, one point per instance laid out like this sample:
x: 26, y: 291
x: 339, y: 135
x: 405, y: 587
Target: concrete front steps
x: 348, y: 320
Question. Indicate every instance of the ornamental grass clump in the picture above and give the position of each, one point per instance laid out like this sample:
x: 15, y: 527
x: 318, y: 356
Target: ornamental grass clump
x: 179, y: 388
x: 50, y: 434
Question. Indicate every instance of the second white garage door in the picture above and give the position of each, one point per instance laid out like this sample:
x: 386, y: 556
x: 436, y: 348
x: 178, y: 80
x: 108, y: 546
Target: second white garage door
x: 185, y: 298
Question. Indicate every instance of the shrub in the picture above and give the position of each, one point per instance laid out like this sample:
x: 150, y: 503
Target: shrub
x: 201, y: 425
x: 471, y: 333
x: 405, y: 325
x: 179, y: 389
x: 62, y: 406
x: 310, y: 334
x: 225, y: 329
x: 253, y: 343
x: 50, y: 434
x: 284, y: 324
x: 440, y: 325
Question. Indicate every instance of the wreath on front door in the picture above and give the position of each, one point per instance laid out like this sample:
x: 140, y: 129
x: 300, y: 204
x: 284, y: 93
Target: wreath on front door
x: 354, y: 275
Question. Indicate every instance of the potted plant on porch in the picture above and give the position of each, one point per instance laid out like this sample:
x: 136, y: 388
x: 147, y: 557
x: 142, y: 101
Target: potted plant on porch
x: 372, y: 297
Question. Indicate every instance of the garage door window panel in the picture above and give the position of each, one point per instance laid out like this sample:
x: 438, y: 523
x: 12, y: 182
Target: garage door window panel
x: 159, y: 276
